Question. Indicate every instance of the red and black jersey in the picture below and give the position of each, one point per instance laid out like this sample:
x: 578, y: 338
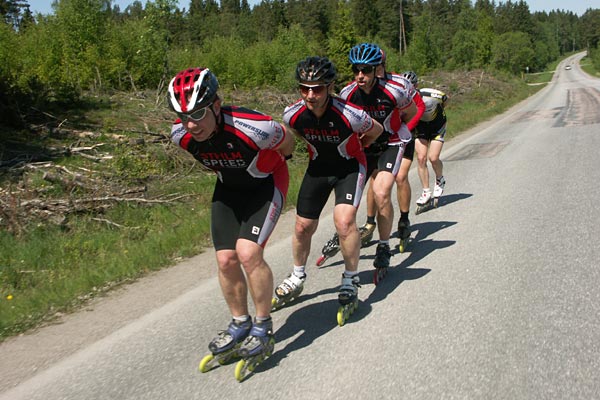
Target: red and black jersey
x: 380, y: 103
x: 241, y: 150
x: 333, y: 140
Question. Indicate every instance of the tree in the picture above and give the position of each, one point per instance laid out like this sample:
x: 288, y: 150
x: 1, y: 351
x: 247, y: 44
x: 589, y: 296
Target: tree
x: 512, y: 52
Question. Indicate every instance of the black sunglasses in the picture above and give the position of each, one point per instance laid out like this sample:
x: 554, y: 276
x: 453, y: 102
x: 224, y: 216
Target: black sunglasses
x: 365, y: 69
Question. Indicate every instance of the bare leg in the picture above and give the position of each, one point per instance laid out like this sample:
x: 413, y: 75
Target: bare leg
x: 344, y: 218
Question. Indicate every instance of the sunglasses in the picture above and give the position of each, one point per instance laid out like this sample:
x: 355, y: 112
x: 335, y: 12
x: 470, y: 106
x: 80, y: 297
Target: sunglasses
x: 365, y: 69
x: 197, y: 115
x: 317, y: 89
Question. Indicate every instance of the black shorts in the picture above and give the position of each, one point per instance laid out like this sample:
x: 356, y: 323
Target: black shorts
x: 409, y: 150
x: 389, y: 160
x: 433, y: 131
x: 248, y: 213
x: 315, y: 191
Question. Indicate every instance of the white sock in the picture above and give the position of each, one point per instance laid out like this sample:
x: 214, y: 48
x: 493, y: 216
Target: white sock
x: 299, y: 271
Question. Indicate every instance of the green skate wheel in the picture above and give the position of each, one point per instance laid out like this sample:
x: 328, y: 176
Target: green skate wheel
x: 205, y: 363
x: 240, y: 370
x: 341, y: 318
x: 402, y: 245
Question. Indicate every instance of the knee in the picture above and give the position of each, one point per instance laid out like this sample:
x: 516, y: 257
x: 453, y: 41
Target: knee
x: 227, y: 261
x: 345, y: 227
x: 434, y: 159
x: 303, y: 230
x: 250, y: 257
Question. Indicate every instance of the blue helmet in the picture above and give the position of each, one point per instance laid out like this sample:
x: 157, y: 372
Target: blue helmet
x: 365, y: 53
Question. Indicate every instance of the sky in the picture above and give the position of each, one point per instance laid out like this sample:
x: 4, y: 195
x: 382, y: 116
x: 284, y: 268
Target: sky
x: 577, y: 6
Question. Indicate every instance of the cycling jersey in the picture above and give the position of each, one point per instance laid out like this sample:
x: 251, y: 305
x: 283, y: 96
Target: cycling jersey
x: 379, y: 103
x: 333, y: 139
x: 240, y: 152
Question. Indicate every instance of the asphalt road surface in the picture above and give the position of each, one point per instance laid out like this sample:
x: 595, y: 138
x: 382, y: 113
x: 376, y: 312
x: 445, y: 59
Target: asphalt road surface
x: 497, y: 296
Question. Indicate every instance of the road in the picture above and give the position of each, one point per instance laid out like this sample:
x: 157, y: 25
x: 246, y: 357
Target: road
x: 497, y: 297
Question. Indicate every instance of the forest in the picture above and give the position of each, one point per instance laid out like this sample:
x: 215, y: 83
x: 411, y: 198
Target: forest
x: 93, y: 45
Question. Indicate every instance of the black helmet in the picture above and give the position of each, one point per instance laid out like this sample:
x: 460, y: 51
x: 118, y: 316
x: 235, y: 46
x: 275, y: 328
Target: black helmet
x: 315, y: 69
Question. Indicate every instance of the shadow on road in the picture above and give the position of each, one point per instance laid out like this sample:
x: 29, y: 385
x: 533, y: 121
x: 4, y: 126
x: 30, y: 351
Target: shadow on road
x: 309, y: 323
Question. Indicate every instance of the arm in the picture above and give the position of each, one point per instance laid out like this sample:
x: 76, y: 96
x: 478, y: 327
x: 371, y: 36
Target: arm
x: 414, y: 121
x: 286, y: 146
x: 408, y: 113
x: 371, y: 135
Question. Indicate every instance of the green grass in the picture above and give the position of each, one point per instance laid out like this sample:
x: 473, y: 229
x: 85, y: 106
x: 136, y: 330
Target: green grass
x: 48, y: 268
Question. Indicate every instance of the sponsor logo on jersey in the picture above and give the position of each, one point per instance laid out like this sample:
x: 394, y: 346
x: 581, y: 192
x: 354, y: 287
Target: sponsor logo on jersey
x: 322, y: 135
x: 255, y: 230
x: 223, y: 160
x: 254, y: 129
x: 349, y: 196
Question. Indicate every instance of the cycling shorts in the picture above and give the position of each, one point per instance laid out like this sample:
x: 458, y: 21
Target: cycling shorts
x: 431, y: 132
x: 247, y: 213
x: 389, y: 160
x: 315, y: 191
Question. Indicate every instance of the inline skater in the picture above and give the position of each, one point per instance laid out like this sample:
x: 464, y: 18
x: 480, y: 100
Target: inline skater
x: 403, y: 189
x: 335, y: 133
x: 430, y: 132
x: 380, y: 98
x: 247, y: 151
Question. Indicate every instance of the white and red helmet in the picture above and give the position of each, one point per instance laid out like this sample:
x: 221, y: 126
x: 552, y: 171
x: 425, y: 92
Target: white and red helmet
x: 192, y: 89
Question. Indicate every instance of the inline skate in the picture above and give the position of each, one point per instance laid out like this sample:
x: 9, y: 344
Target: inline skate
x: 425, y: 202
x: 348, y: 298
x: 403, y: 234
x: 287, y: 291
x: 366, y: 233
x: 255, y: 349
x: 224, y: 347
x: 330, y: 249
x: 438, y: 190
x: 381, y: 262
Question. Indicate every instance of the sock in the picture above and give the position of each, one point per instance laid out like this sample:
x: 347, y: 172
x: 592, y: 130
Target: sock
x: 350, y: 274
x: 241, y: 318
x: 403, y: 216
x: 262, y: 319
x: 384, y: 242
x: 299, y: 271
x: 371, y: 220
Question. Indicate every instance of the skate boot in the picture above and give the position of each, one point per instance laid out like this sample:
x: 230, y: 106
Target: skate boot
x: 424, y: 201
x: 366, y: 233
x: 381, y: 262
x: 256, y: 348
x: 330, y: 249
x: 287, y: 291
x: 224, y: 346
x: 440, y: 184
x: 403, y: 234
x: 348, y: 298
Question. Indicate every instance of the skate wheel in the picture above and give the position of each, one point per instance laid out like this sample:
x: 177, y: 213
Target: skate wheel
x: 341, y: 317
x: 240, y: 370
x: 375, y: 277
x: 205, y: 363
x: 402, y: 245
x: 435, y: 202
x: 274, y: 303
x: 321, y: 260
